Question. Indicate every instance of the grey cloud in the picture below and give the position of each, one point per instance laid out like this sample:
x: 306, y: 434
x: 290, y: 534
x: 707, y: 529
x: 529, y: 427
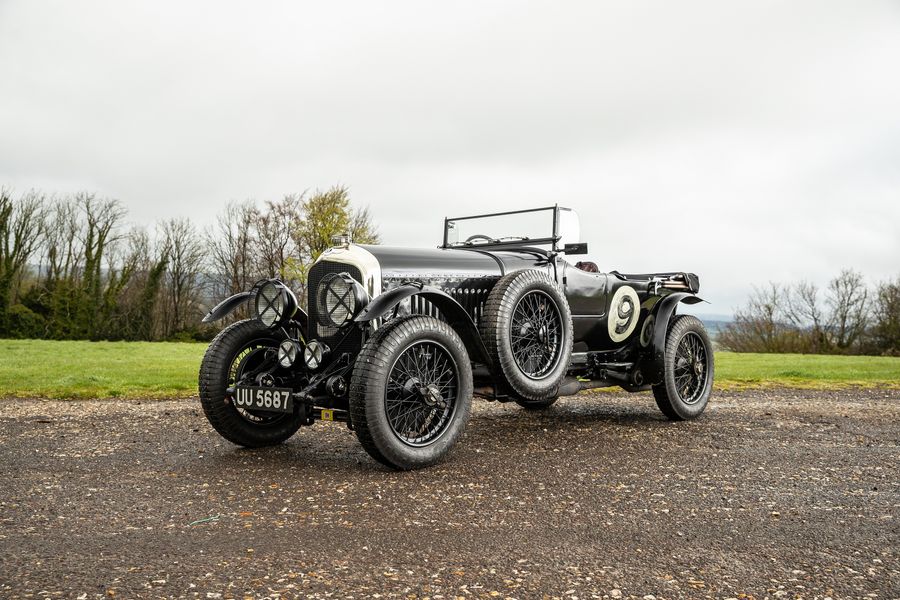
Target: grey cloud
x: 746, y: 141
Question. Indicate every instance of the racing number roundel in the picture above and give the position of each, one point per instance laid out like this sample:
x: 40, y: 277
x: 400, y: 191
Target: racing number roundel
x: 623, y: 313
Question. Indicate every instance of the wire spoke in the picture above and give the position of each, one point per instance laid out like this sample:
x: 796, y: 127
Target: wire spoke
x: 421, y: 394
x: 535, y: 332
x: 691, y: 363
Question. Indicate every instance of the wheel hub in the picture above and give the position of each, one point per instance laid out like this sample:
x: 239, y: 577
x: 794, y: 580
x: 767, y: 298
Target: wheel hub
x: 431, y: 395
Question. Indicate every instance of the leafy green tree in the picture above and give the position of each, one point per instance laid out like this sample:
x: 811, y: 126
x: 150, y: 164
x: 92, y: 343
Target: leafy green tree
x: 323, y: 216
x: 25, y: 323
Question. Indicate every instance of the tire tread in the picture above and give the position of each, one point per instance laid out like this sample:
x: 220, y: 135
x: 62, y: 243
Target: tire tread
x: 662, y: 393
x: 369, y: 375
x: 220, y: 413
x: 501, y: 302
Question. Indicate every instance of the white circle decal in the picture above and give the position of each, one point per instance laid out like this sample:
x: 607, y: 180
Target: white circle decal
x: 623, y: 313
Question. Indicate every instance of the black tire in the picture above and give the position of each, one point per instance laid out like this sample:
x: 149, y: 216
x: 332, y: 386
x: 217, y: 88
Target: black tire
x: 536, y: 404
x: 689, y: 370
x: 533, y: 379
x: 221, y: 363
x: 387, y: 395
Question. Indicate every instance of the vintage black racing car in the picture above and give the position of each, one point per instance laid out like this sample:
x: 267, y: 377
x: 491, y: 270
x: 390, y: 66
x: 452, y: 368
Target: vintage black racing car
x: 397, y: 341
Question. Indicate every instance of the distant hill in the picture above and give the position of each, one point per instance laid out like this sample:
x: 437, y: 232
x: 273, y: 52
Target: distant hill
x: 715, y: 323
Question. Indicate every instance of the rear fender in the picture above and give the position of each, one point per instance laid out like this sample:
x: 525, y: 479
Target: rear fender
x: 653, y: 368
x: 452, y: 311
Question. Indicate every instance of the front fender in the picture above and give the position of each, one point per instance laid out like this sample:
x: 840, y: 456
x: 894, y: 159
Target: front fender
x: 226, y: 306
x: 654, y: 365
x: 452, y: 311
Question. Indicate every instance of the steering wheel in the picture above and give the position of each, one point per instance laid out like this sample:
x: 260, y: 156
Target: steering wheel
x: 479, y: 236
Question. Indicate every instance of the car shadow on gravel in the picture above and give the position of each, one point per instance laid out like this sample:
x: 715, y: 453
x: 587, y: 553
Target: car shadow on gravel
x: 333, y: 450
x: 564, y: 414
x: 317, y: 449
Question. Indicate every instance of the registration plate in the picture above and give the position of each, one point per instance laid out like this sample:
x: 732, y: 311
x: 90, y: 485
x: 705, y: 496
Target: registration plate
x: 264, y: 398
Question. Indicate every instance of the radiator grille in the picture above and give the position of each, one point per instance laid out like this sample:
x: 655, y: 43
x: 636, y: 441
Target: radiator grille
x: 348, y: 338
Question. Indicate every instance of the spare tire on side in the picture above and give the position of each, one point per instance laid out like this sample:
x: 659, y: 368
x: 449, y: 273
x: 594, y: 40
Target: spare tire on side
x: 527, y: 329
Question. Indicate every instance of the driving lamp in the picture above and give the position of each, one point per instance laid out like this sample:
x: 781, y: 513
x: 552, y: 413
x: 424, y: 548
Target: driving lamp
x: 288, y: 351
x: 273, y: 303
x: 314, y: 354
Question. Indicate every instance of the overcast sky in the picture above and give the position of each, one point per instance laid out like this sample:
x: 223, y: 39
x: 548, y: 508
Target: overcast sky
x: 746, y: 141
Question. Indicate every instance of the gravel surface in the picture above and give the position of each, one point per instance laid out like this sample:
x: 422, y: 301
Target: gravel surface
x: 776, y: 494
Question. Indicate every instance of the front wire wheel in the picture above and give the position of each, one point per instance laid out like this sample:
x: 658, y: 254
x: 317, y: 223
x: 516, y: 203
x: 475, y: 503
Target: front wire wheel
x: 254, y: 357
x: 688, y: 370
x: 411, y: 392
x: 421, y: 393
x: 239, y: 350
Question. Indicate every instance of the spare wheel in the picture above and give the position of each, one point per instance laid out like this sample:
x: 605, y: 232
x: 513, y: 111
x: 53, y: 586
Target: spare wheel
x: 527, y: 329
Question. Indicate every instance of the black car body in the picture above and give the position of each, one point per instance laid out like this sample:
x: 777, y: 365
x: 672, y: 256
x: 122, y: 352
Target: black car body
x: 509, y: 317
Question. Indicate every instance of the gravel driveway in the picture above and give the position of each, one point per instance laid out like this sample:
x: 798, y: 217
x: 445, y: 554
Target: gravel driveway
x: 771, y: 494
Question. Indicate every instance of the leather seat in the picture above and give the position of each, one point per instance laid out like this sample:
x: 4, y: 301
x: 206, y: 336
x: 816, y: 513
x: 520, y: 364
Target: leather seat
x: 587, y: 266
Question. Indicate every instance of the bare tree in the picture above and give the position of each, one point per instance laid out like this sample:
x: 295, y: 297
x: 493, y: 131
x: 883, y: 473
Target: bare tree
x: 101, y: 219
x: 134, y: 318
x: 275, y: 244
x: 62, y: 251
x: 185, y: 254
x: 805, y: 312
x: 885, y: 331
x: 763, y: 325
x: 362, y: 227
x: 231, y: 243
x: 847, y: 300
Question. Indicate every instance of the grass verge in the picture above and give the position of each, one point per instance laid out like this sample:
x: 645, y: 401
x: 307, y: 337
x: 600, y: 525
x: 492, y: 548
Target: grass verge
x: 809, y: 371
x: 52, y: 369
x: 68, y: 369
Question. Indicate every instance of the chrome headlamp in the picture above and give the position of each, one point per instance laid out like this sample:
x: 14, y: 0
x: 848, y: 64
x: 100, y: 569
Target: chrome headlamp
x: 273, y: 303
x: 339, y: 299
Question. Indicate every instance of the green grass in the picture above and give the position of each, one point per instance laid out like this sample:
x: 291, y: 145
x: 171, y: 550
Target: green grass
x: 737, y: 371
x: 48, y: 369
x: 51, y: 369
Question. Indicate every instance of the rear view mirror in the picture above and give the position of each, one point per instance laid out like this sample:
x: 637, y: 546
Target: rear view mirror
x: 581, y: 248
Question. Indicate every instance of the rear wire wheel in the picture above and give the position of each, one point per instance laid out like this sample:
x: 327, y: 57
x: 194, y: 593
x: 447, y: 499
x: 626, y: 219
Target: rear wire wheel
x: 688, y: 370
x: 411, y: 392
